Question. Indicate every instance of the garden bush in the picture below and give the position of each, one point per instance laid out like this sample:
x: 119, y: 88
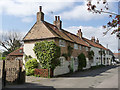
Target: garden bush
x: 30, y: 66
x: 81, y: 61
x: 47, y: 53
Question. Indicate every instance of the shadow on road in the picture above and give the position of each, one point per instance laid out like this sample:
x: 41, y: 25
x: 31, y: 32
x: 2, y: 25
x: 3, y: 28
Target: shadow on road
x: 89, y: 72
x: 28, y: 86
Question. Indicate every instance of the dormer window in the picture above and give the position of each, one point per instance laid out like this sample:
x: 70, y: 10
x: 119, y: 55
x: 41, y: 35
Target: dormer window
x: 62, y: 43
x: 20, y: 51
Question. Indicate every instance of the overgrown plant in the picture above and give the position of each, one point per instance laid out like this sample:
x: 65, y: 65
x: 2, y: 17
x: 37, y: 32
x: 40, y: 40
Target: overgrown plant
x: 30, y: 66
x: 90, y: 54
x: 47, y: 53
x: 81, y: 61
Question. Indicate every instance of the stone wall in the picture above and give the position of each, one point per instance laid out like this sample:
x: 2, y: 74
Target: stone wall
x: 12, y: 70
x: 1, y: 67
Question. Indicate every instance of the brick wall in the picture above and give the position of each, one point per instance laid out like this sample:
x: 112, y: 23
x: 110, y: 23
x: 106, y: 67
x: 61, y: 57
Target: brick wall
x: 75, y: 53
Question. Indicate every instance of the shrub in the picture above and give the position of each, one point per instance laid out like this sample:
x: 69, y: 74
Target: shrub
x: 90, y: 54
x: 30, y: 66
x: 81, y: 61
x: 47, y: 53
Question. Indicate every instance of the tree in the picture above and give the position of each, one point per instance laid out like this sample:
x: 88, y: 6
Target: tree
x: 47, y: 53
x: 11, y: 41
x: 81, y: 61
x: 115, y: 18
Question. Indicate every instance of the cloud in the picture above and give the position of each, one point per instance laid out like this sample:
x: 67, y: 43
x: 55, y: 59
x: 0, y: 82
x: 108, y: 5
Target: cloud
x: 30, y: 7
x: 80, y: 12
x: 89, y: 31
x: 27, y: 19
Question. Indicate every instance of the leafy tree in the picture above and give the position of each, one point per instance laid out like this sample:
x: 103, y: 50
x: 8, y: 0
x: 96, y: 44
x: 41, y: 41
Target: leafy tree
x: 30, y: 66
x: 10, y: 41
x: 81, y: 61
x: 47, y: 53
x: 115, y: 18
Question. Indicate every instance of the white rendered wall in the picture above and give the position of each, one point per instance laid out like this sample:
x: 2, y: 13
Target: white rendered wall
x: 96, y: 54
x: 62, y: 69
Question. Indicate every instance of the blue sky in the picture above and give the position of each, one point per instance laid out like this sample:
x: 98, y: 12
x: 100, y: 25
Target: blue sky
x: 20, y: 15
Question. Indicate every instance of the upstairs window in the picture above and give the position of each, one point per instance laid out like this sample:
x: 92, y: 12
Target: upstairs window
x: 80, y: 47
x: 62, y: 43
x: 75, y: 46
x: 86, y: 48
x: 20, y: 51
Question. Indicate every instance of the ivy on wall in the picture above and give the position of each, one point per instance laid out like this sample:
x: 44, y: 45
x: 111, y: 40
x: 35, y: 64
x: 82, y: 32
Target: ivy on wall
x: 47, y: 53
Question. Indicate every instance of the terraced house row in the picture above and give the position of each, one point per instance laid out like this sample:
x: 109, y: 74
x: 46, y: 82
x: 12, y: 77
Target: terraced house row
x: 43, y: 30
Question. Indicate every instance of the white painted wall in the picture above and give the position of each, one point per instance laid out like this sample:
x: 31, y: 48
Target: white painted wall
x: 28, y: 49
x: 63, y: 68
x: 88, y: 65
x: 96, y: 54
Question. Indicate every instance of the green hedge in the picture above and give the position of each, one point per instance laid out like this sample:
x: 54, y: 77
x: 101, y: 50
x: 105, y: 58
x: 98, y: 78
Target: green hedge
x: 2, y: 58
x: 30, y: 66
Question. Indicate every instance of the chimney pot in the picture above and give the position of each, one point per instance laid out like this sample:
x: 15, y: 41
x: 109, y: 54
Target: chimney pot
x: 79, y: 33
x: 58, y: 18
x: 40, y: 7
x: 55, y: 18
x: 93, y: 39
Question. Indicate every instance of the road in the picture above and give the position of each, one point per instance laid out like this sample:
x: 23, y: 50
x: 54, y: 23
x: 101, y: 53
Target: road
x: 103, y: 77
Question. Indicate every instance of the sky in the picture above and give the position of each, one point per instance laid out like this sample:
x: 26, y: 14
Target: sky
x: 20, y: 16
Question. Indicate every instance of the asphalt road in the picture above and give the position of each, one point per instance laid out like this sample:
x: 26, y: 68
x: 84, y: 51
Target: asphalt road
x: 104, y: 77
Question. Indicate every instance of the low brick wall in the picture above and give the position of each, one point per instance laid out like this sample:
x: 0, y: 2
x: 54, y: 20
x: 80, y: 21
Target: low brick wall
x: 42, y: 72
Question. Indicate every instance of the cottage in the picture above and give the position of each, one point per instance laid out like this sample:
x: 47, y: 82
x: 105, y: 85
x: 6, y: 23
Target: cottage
x: 43, y: 30
x: 102, y: 55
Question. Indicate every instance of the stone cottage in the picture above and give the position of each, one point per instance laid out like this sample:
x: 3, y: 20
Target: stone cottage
x: 43, y: 30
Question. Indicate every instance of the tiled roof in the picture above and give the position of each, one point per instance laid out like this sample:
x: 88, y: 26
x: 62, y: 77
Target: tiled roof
x: 39, y: 31
x: 61, y: 34
x: 116, y: 53
x: 66, y: 35
x: 17, y: 52
x: 95, y: 44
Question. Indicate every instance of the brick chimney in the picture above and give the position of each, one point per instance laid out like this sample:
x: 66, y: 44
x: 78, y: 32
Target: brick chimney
x: 93, y: 39
x: 58, y: 22
x: 97, y: 41
x: 40, y: 15
x: 79, y: 33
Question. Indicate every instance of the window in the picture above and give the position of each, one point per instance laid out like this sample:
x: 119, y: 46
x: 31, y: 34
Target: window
x: 75, y: 46
x: 62, y: 43
x: 86, y: 48
x: 20, y: 51
x: 75, y: 61
x: 61, y: 61
x: 80, y: 47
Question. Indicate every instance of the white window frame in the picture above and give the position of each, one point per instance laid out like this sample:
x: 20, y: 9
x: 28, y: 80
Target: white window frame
x: 75, y: 46
x: 62, y: 43
x: 61, y: 61
x: 75, y: 61
x: 80, y: 47
x: 86, y: 48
